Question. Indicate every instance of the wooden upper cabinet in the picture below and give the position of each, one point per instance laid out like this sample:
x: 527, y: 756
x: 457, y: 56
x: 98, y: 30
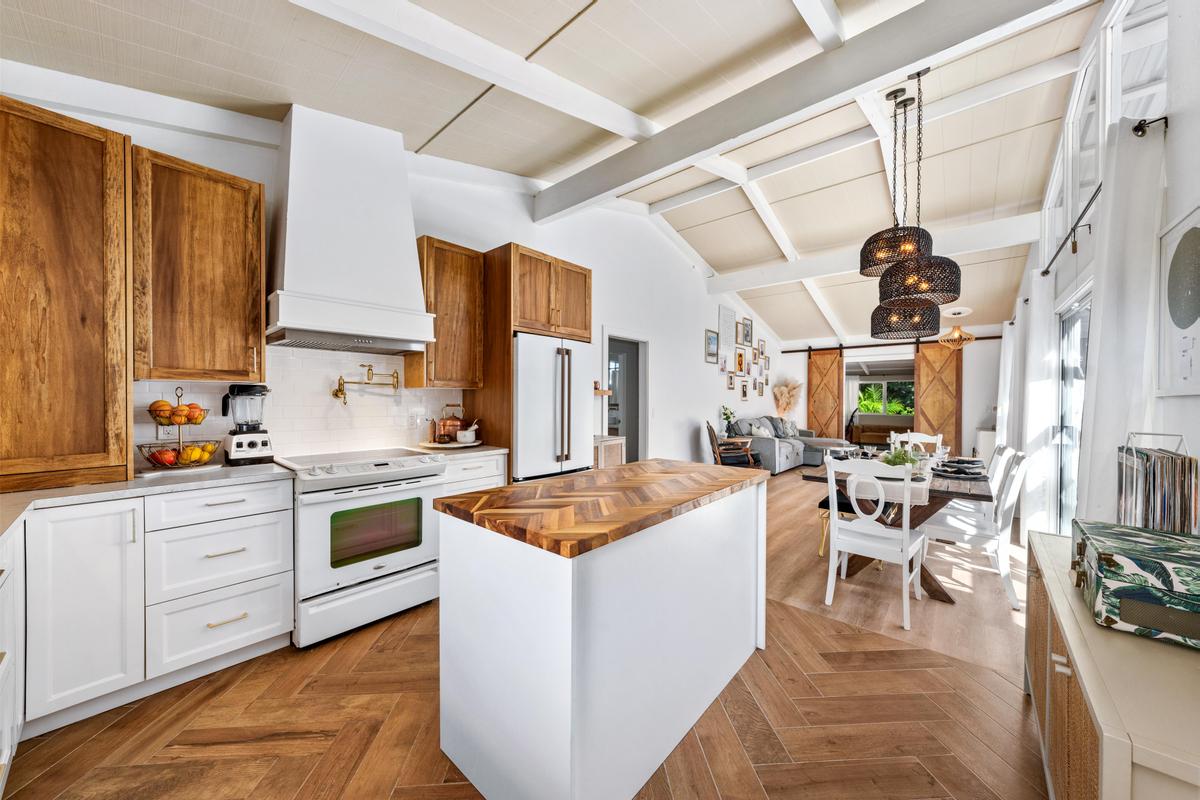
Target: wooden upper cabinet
x: 548, y: 296
x: 573, y: 301
x: 452, y: 279
x: 63, y: 301
x: 198, y: 255
x: 533, y: 290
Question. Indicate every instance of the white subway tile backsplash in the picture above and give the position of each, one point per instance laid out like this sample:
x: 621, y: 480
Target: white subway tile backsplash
x: 301, y: 414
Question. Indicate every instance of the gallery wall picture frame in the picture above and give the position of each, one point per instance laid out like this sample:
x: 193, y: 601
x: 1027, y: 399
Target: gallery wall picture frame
x: 1178, y: 368
x: 737, y: 333
x: 762, y: 346
x: 745, y: 391
x: 767, y: 363
x: 747, y: 338
x: 711, y: 345
x: 729, y: 382
x: 740, y: 360
x: 754, y: 356
x: 761, y: 388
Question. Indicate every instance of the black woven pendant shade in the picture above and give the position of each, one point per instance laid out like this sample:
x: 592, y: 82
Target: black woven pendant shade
x: 892, y: 246
x: 905, y: 323
x: 932, y: 280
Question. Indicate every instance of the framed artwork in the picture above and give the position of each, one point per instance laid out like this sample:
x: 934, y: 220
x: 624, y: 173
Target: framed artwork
x: 747, y: 337
x: 754, y: 356
x: 1179, y: 307
x: 761, y: 387
x: 740, y: 361
x: 729, y: 382
x: 767, y: 363
x: 745, y: 391
x: 766, y: 380
x: 761, y: 369
x: 710, y: 346
x: 737, y: 333
x: 723, y: 363
x: 762, y: 346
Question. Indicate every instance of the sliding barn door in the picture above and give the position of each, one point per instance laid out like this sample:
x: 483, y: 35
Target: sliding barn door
x: 825, y: 385
x: 939, y: 394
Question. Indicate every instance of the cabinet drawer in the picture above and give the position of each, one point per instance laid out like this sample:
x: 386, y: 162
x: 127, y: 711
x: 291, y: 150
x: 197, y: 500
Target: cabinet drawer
x: 473, y: 485
x: 203, y: 626
x: 207, y: 505
x: 475, y: 468
x: 197, y: 558
x: 8, y: 551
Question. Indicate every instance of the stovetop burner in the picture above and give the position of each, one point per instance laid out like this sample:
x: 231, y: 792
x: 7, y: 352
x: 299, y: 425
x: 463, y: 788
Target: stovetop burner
x: 361, y: 467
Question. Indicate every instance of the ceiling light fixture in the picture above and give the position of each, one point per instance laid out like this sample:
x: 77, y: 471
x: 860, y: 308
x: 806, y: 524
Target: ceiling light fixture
x: 901, y: 241
x: 957, y: 338
x: 904, y: 323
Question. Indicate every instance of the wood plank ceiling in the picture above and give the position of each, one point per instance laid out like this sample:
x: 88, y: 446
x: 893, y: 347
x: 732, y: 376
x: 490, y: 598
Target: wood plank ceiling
x: 664, y: 61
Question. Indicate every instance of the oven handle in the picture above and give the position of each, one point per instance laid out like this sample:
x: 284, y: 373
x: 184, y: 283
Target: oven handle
x: 374, y: 491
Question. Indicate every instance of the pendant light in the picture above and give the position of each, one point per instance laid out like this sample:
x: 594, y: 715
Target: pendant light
x: 957, y: 338
x: 905, y: 323
x: 925, y: 279
x: 901, y: 241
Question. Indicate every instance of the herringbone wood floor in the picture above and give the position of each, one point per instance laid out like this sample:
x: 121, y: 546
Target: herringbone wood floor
x: 829, y: 710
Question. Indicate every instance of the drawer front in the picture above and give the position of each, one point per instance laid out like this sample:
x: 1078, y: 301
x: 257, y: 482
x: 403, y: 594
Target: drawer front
x: 487, y: 466
x: 473, y: 485
x: 207, y: 505
x: 8, y: 551
x: 196, y: 558
x: 194, y: 629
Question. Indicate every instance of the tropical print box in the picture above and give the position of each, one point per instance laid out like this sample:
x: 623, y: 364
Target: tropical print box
x: 1141, y: 581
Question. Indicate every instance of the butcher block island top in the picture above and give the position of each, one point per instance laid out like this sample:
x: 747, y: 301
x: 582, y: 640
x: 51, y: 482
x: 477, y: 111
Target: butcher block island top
x: 575, y: 514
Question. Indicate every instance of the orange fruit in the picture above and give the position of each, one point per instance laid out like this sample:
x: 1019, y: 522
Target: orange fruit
x: 195, y: 413
x: 180, y: 410
x: 195, y: 406
x: 159, y: 408
x: 179, y: 419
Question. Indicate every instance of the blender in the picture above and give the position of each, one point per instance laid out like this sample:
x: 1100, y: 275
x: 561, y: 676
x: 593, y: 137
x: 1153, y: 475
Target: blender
x: 247, y: 442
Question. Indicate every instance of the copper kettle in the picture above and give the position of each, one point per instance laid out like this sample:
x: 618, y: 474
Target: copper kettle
x: 446, y: 429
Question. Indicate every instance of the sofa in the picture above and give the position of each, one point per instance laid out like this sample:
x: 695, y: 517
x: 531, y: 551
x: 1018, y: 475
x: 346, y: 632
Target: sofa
x: 877, y: 428
x: 787, y: 445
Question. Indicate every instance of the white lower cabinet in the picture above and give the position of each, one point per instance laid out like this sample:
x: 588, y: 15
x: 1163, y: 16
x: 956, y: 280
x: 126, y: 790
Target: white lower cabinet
x: 12, y: 647
x: 86, y: 598
x: 192, y: 629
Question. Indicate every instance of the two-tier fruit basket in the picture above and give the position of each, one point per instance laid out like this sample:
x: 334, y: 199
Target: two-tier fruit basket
x: 189, y: 453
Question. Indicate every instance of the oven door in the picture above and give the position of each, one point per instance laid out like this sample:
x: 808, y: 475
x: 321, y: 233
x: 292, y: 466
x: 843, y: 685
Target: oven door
x: 347, y: 536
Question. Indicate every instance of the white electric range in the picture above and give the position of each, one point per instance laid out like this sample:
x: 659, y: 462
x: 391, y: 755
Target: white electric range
x: 366, y: 537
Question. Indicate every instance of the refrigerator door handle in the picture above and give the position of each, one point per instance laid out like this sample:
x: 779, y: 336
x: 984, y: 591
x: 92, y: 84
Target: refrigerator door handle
x: 567, y: 392
x: 560, y: 354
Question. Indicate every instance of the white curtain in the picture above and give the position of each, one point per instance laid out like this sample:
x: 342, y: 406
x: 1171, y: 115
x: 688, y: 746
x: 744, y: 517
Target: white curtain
x: 1119, y: 394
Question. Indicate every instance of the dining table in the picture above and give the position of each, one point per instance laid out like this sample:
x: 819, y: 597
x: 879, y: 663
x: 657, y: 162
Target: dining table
x: 941, y: 491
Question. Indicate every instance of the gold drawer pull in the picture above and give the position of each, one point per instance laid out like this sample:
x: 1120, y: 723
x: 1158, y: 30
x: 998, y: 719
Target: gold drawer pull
x: 477, y: 466
x: 226, y: 502
x: 226, y: 553
x: 238, y: 618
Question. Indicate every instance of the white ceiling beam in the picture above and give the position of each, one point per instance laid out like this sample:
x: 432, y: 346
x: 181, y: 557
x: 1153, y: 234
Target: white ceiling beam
x: 692, y: 195
x: 933, y: 32
x: 757, y: 199
x: 411, y: 27
x: 822, y: 304
x: 824, y: 20
x: 995, y: 89
x: 725, y: 168
x: 991, y: 235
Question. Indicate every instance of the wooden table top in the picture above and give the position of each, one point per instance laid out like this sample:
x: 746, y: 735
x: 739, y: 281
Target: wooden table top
x: 575, y: 514
x: 940, y: 487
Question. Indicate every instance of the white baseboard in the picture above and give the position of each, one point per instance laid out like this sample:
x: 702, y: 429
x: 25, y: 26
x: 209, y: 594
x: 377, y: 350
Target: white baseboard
x: 110, y: 701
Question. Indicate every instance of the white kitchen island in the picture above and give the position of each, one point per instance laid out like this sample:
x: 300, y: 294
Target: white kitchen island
x: 588, y: 621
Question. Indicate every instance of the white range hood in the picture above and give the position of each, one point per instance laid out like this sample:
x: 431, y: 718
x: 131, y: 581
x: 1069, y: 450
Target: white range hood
x: 345, y: 274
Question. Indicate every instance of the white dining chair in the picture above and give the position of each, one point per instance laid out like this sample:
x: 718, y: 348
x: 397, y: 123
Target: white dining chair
x: 997, y: 472
x: 863, y: 534
x: 990, y: 533
x: 919, y: 439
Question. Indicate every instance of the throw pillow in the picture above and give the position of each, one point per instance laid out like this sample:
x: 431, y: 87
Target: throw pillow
x: 741, y: 427
x: 793, y: 430
x: 758, y: 430
x: 780, y: 426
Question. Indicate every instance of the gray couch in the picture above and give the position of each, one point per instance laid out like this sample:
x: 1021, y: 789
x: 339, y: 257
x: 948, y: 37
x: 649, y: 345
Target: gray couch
x: 787, y: 447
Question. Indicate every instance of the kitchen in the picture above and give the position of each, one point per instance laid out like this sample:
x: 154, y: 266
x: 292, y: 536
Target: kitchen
x: 219, y: 564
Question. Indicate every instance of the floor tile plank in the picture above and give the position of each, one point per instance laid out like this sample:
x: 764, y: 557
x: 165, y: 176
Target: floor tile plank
x: 869, y: 708
x: 979, y: 759
x: 883, y: 659
x: 899, y: 681
x: 731, y: 769
x: 875, y: 779
x: 958, y: 780
x: 758, y: 738
x: 772, y: 699
x: 688, y: 773
x: 384, y: 760
x: 860, y: 741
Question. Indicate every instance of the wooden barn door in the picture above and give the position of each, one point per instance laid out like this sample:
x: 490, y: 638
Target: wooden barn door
x: 825, y: 387
x: 939, y: 393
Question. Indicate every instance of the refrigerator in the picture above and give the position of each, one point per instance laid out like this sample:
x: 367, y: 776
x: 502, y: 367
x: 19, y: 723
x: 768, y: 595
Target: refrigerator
x: 553, y: 406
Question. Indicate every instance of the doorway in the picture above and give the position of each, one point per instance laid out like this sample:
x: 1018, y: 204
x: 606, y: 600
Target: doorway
x: 1074, y: 324
x: 625, y: 380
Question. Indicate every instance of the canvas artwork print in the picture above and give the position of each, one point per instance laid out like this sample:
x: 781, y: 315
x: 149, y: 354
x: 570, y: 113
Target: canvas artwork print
x: 754, y: 356
x: 1179, y: 307
x: 760, y: 390
x: 729, y: 382
x: 740, y: 361
x: 710, y: 346
x: 747, y: 339
x: 762, y: 346
x: 745, y: 390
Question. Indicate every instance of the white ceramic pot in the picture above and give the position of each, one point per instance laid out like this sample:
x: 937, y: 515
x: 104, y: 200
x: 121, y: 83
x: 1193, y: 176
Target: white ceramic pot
x: 466, y: 437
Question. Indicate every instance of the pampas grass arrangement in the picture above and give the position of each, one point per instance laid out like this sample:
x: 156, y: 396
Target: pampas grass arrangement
x: 787, y: 394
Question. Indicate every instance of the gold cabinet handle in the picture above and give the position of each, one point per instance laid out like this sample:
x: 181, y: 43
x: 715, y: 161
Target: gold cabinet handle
x: 254, y: 356
x: 238, y: 618
x: 211, y: 504
x: 471, y: 469
x: 1057, y: 659
x: 226, y: 553
x: 1063, y: 670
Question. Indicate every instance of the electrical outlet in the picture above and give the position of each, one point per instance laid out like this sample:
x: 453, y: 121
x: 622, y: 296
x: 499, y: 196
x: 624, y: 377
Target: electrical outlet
x: 166, y: 433
x: 412, y: 421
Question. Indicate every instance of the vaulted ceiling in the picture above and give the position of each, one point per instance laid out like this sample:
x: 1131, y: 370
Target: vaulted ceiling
x: 660, y: 62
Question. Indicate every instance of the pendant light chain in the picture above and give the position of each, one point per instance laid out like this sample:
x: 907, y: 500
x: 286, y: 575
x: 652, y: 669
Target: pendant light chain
x: 895, y: 147
x: 905, y: 148
x: 920, y: 142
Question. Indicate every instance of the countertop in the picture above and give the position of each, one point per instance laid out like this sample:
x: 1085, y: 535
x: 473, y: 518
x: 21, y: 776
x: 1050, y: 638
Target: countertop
x: 575, y: 514
x: 464, y: 452
x: 14, y: 504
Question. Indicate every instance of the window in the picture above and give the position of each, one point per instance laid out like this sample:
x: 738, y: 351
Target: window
x: 886, y: 397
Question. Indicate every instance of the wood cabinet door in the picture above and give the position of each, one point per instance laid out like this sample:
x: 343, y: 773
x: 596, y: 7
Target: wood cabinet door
x: 825, y: 387
x: 63, y: 300
x: 453, y: 281
x: 533, y: 290
x: 1057, y: 713
x: 938, y: 389
x: 573, y: 301
x: 86, y: 603
x: 1083, y: 755
x: 198, y: 271
x: 1037, y: 640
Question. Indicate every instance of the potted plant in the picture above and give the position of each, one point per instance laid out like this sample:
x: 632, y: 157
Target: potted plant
x: 727, y: 416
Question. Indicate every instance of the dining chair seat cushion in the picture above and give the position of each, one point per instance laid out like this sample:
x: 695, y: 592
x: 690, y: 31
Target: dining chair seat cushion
x: 844, y: 506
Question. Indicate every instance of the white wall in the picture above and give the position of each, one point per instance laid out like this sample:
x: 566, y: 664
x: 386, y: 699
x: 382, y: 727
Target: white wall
x: 643, y: 288
x: 795, y: 367
x: 981, y: 380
